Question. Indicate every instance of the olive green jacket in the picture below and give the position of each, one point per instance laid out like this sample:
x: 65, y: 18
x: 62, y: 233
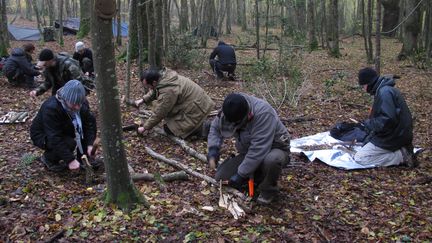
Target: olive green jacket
x: 182, y: 103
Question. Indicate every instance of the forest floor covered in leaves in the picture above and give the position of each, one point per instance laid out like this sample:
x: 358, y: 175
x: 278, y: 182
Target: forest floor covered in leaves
x: 317, y: 203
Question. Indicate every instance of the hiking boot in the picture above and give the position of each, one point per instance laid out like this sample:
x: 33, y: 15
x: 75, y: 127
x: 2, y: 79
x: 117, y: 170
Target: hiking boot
x: 409, y: 160
x: 231, y: 76
x: 266, y: 199
x: 51, y: 166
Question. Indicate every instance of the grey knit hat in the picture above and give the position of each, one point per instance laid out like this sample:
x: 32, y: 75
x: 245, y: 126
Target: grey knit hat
x: 73, y: 92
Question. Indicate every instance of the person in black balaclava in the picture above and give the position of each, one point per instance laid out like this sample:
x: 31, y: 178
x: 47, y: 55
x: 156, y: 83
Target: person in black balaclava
x: 389, y: 127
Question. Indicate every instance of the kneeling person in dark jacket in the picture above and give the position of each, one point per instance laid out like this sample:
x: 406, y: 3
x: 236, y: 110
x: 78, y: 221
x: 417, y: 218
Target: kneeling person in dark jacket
x: 18, y: 70
x: 390, y: 125
x: 262, y: 141
x: 225, y: 62
x: 63, y: 125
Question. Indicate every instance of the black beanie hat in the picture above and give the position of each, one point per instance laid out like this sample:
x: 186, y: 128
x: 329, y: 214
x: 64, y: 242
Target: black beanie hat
x: 367, y: 76
x: 46, y: 55
x: 235, y: 107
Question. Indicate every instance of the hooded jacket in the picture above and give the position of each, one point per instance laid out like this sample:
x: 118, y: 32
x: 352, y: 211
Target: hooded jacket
x: 182, y: 103
x: 264, y: 131
x: 65, y: 69
x: 390, y: 123
x: 18, y: 60
x: 224, y: 53
x: 52, y: 124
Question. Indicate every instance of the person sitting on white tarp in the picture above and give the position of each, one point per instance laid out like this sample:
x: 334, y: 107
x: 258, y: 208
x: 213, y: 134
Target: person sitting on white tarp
x: 390, y: 124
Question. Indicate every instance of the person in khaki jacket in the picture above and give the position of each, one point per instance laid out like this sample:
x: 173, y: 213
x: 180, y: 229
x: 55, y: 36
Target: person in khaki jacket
x: 183, y: 104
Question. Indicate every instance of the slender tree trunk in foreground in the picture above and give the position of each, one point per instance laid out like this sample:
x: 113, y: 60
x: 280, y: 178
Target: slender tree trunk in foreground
x: 120, y: 189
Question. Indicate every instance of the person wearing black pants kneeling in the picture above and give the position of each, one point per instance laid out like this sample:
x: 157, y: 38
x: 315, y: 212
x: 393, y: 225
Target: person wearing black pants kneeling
x: 63, y: 125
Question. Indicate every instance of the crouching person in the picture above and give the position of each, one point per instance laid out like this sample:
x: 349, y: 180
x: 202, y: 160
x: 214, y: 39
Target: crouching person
x: 262, y: 142
x: 63, y: 125
x: 390, y: 124
x: 182, y: 103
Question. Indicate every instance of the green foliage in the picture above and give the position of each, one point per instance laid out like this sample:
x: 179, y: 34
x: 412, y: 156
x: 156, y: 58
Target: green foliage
x: 419, y: 58
x: 336, y: 84
x: 182, y: 52
x: 84, y: 29
x: 27, y: 159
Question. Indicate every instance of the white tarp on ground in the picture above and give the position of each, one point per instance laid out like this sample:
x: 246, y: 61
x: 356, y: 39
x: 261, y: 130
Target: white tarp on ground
x: 337, y: 156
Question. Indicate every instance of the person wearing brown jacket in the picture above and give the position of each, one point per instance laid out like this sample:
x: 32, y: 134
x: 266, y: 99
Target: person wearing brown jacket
x: 182, y: 103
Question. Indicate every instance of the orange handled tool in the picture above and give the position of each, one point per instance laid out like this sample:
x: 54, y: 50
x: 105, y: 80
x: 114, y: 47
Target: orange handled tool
x: 251, y: 187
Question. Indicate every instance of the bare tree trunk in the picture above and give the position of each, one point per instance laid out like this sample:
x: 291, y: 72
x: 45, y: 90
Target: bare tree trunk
x: 118, y: 19
x: 428, y: 42
x: 390, y: 16
x: 243, y: 16
x: 151, y: 33
x: 51, y: 12
x: 60, y: 38
x: 324, y: 28
x: 36, y: 11
x: 364, y: 32
x: 228, y: 17
x: 313, y: 42
x: 184, y: 16
x: 166, y: 23
x: 412, y: 27
x: 369, y: 31
x: 158, y: 34
x: 221, y: 16
x: 140, y: 21
x: 68, y: 9
x: 257, y: 29
x: 4, y: 36
x: 266, y: 27
x: 85, y: 16
x: 29, y: 14
x: 22, y: 13
x: 133, y: 29
x: 132, y: 22
x: 378, y: 38
x: 194, y: 14
x: 300, y: 7
x: 120, y: 189
x: 334, y: 26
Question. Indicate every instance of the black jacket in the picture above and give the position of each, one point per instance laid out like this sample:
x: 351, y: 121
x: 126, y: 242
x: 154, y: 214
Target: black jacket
x: 18, y: 60
x: 52, y: 124
x: 87, y: 53
x: 224, y: 53
x: 390, y: 122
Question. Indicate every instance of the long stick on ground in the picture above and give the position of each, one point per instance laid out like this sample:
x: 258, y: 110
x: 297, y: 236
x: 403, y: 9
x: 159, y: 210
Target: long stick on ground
x: 182, y: 144
x: 179, y: 175
x: 188, y: 170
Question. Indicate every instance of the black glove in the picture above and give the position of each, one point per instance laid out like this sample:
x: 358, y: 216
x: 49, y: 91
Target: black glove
x: 237, y: 181
x: 213, y: 152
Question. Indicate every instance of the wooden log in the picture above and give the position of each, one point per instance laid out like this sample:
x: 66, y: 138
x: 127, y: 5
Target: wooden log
x: 188, y: 170
x: 175, y: 176
x: 182, y: 144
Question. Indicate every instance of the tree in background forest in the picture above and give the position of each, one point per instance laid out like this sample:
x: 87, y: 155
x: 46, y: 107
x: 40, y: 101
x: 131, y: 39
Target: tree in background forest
x: 121, y: 190
x: 85, y: 15
x: 411, y: 28
x: 4, y: 37
x: 333, y: 36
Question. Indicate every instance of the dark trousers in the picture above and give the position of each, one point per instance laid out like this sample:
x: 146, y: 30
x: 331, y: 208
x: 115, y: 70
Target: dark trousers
x: 53, y: 156
x: 87, y: 65
x: 267, y: 174
x: 18, y: 78
x: 219, y: 68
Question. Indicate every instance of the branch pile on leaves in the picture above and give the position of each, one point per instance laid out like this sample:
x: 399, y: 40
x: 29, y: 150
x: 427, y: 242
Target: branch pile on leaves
x: 226, y: 201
